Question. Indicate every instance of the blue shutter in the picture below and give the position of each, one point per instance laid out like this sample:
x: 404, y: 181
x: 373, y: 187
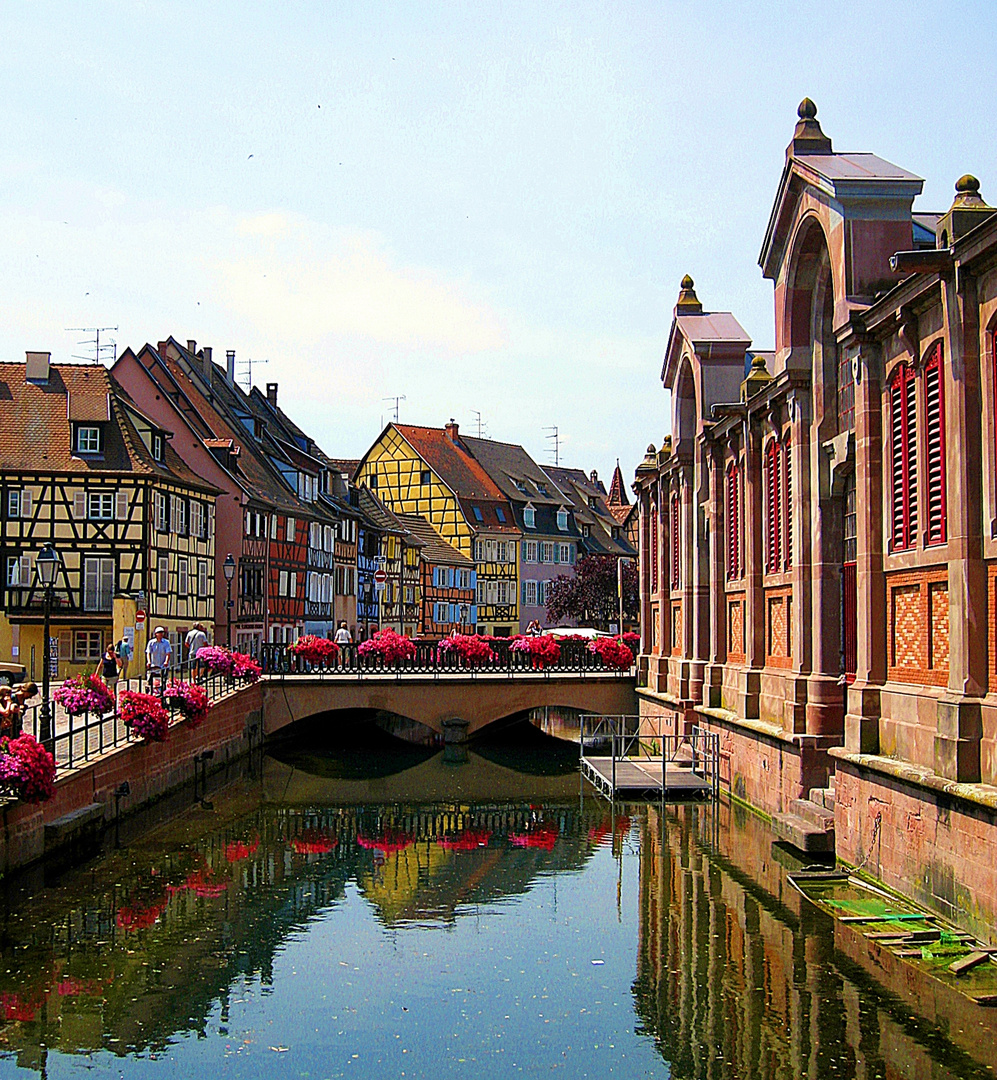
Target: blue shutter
x: 474, y: 584
x: 473, y: 617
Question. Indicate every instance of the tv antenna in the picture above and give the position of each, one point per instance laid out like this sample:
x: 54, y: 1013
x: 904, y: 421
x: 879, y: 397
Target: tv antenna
x: 247, y: 371
x: 554, y: 437
x: 397, y: 399
x: 482, y: 427
x: 99, y: 350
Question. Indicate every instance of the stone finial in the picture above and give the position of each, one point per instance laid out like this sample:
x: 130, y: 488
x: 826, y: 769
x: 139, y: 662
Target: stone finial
x: 688, y: 303
x: 756, y: 379
x: 650, y: 462
x: 966, y: 212
x: 808, y: 137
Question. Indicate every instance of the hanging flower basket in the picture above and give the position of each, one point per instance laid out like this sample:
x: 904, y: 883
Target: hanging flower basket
x: 189, y: 699
x: 471, y: 649
x: 245, y: 667
x: 543, y: 651
x: 27, y: 768
x: 314, y: 649
x: 85, y: 694
x: 389, y: 646
x: 216, y: 659
x: 632, y: 642
x: 613, y: 653
x: 145, y: 714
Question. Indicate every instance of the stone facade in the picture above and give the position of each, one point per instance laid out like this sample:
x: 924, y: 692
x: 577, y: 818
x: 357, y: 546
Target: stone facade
x: 819, y: 530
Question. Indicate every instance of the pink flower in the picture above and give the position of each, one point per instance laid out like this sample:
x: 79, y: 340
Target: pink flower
x: 314, y: 649
x: 145, y: 714
x: 390, y: 646
x: 27, y: 768
x: 471, y: 648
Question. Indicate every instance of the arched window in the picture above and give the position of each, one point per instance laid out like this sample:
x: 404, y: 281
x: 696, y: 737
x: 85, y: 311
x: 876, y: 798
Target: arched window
x: 676, y: 542
x: 903, y: 458
x: 934, y: 446
x: 733, y: 501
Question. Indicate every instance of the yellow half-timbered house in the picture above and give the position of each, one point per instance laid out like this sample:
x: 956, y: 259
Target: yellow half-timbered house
x: 428, y: 472
x: 83, y: 469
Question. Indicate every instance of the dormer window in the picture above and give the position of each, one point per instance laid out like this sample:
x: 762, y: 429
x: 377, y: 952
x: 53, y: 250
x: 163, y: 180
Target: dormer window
x: 88, y: 439
x: 478, y: 516
x: 541, y: 487
x: 586, y: 530
x: 530, y: 517
x: 157, y: 447
x: 500, y: 514
x: 562, y: 519
x: 521, y: 486
x: 593, y: 502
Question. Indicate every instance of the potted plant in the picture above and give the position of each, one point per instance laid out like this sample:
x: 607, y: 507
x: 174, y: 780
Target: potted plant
x: 216, y: 659
x: 245, y: 667
x: 189, y: 699
x: 27, y: 768
x: 471, y: 650
x: 542, y: 651
x: 85, y: 694
x: 387, y: 646
x: 613, y: 653
x: 145, y: 714
x: 314, y: 649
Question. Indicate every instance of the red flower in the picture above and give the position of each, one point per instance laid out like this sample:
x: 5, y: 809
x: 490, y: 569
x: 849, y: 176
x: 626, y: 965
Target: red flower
x: 238, y: 850
x: 543, y: 836
x: 313, y: 842
x: 28, y: 768
x: 387, y: 843
x: 146, y: 715
x: 466, y: 841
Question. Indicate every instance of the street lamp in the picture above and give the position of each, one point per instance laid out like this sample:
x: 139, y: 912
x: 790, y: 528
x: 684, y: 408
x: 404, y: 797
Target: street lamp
x: 228, y: 569
x: 46, y: 567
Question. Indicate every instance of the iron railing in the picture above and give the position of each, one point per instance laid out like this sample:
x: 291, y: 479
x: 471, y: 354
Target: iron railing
x: 278, y: 662
x: 76, y: 739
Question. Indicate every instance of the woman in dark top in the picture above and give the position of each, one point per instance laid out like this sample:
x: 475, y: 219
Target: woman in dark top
x: 109, y: 666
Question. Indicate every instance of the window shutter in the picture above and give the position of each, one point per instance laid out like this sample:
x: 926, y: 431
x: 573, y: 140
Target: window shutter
x: 903, y: 454
x: 676, y: 542
x: 24, y: 569
x: 787, y: 506
x: 121, y: 504
x: 655, y: 554
x: 934, y: 438
x: 26, y: 503
x: 80, y: 505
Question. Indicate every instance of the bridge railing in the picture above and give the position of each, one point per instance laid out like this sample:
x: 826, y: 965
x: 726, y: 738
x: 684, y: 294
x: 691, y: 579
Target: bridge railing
x: 278, y: 662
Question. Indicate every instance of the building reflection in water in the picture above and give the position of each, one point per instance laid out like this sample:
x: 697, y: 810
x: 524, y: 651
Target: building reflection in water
x: 739, y: 976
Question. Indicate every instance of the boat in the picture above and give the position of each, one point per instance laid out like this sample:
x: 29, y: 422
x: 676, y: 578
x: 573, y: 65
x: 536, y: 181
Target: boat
x: 894, y: 926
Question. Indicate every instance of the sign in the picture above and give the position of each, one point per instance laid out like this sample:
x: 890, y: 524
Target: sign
x: 380, y: 580
x: 139, y: 617
x: 53, y: 657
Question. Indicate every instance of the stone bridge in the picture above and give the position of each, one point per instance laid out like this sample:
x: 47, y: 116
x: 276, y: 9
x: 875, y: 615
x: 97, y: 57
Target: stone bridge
x: 456, y: 705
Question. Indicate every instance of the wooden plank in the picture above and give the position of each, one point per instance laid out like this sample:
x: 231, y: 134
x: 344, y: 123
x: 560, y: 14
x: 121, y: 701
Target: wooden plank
x: 965, y: 963
x: 881, y: 918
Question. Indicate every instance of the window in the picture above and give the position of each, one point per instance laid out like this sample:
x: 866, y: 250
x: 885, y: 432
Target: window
x: 282, y: 583
x: 903, y: 458
x: 87, y: 645
x: 178, y: 514
x: 373, y: 481
x: 425, y: 477
x: 157, y: 447
x: 564, y: 554
x: 197, y: 519
x: 98, y: 584
x: 733, y: 505
x: 655, y: 555
x: 163, y: 575
x: 934, y: 446
x: 478, y: 516
x: 328, y: 538
x: 846, y: 393
x: 503, y: 592
x: 530, y: 593
x: 778, y: 508
x: 161, y: 515
x: 520, y: 486
x: 87, y: 440
x: 202, y: 577
x: 274, y: 526
x: 19, y: 571
x: 441, y: 613
x: 530, y: 517
x: 19, y: 503
x: 100, y: 505
x: 675, y: 528
x: 541, y: 487
x: 409, y: 594
x: 530, y: 552
x: 327, y: 588
x: 462, y: 579
x: 291, y: 528
x: 183, y: 579
x: 546, y: 551
x: 481, y: 592
x: 502, y: 551
x: 479, y: 551
x: 500, y: 514
x: 562, y: 519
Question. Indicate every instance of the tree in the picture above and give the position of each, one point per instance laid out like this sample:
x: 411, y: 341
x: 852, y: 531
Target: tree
x: 589, y: 596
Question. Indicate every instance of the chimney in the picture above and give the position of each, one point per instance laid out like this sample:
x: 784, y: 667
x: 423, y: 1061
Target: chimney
x: 230, y: 366
x: 451, y: 430
x: 594, y: 477
x: 192, y: 346
x: 36, y: 367
x: 272, y: 393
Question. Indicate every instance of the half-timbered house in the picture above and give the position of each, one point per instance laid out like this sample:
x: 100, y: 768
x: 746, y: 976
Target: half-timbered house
x: 447, y: 590
x: 83, y: 468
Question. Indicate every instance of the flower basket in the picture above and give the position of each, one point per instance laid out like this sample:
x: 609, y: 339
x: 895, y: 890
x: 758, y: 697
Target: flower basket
x: 85, y: 694
x: 27, y: 768
x: 471, y: 649
x: 389, y: 646
x: 145, y: 714
x: 313, y: 842
x: 216, y: 659
x: 613, y: 653
x: 314, y: 649
x: 542, y: 651
x: 245, y: 667
x: 189, y: 699
x: 632, y: 642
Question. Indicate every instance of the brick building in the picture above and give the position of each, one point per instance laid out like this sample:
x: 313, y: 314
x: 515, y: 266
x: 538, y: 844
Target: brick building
x: 818, y: 552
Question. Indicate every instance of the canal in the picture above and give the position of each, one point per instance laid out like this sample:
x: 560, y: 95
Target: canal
x: 389, y: 910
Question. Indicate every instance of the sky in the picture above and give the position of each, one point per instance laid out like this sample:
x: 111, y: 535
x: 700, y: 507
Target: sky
x: 483, y: 207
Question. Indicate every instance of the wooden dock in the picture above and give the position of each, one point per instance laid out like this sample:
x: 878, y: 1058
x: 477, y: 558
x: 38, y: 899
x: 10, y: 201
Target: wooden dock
x: 645, y: 778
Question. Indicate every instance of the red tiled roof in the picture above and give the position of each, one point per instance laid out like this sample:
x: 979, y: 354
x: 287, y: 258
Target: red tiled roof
x: 617, y: 491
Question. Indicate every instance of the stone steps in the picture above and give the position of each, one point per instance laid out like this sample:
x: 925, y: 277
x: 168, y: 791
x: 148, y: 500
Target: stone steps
x: 803, y: 834
x: 813, y: 812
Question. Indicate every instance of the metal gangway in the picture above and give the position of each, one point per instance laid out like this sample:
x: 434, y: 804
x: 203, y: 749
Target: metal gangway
x: 621, y: 763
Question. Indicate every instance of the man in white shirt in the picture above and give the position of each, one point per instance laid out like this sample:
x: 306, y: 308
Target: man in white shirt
x: 158, y: 654
x: 343, y: 635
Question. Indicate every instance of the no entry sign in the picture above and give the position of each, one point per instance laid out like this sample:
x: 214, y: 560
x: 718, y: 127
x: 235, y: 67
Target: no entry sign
x: 380, y: 579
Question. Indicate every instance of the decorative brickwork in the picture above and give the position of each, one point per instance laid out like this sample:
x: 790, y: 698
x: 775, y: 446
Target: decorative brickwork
x: 735, y: 629
x: 919, y: 627
x: 778, y: 646
x: 676, y: 629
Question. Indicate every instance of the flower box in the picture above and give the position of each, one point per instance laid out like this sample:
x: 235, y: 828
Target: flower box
x: 27, y: 768
x: 613, y: 653
x: 145, y: 714
x: 389, y: 646
x: 472, y: 650
x: 189, y: 699
x: 85, y: 694
x: 314, y: 649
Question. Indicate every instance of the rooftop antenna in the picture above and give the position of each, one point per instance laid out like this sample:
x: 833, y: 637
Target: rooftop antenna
x: 99, y: 350
x: 397, y: 399
x: 247, y: 372
x: 481, y: 425
x: 555, y: 436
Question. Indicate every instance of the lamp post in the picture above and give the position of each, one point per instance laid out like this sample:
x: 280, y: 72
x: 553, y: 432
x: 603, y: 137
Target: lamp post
x: 228, y: 569
x: 46, y: 568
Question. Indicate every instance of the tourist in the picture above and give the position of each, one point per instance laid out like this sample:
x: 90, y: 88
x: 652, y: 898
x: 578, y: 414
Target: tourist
x: 109, y: 668
x: 533, y: 630
x: 158, y: 654
x: 20, y: 697
x: 124, y: 651
x: 196, y: 639
x: 343, y: 635
x: 7, y: 711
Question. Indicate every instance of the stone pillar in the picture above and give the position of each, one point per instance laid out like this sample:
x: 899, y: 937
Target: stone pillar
x: 716, y: 598
x: 693, y: 656
x: 644, y: 561
x: 959, y: 726
x: 862, y: 718
x: 754, y: 598
x: 797, y: 688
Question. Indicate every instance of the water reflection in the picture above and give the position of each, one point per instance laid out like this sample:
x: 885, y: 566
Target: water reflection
x: 439, y: 917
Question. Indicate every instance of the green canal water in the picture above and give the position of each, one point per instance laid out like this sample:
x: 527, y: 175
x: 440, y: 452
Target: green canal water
x: 389, y: 911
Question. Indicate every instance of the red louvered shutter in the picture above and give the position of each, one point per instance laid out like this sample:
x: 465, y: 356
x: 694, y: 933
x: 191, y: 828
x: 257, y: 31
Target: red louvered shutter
x: 733, y: 520
x: 903, y: 458
x: 655, y: 554
x: 787, y: 506
x: 676, y: 549
x: 773, y: 512
x: 934, y: 444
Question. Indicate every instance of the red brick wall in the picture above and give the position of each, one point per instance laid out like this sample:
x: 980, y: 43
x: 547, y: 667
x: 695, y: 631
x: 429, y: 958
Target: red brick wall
x: 918, y: 627
x: 152, y: 770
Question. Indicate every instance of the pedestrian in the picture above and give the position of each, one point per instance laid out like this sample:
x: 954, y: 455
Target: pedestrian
x: 158, y: 654
x: 124, y: 651
x: 7, y: 711
x: 109, y: 668
x: 20, y: 697
x: 197, y: 639
x: 343, y: 635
